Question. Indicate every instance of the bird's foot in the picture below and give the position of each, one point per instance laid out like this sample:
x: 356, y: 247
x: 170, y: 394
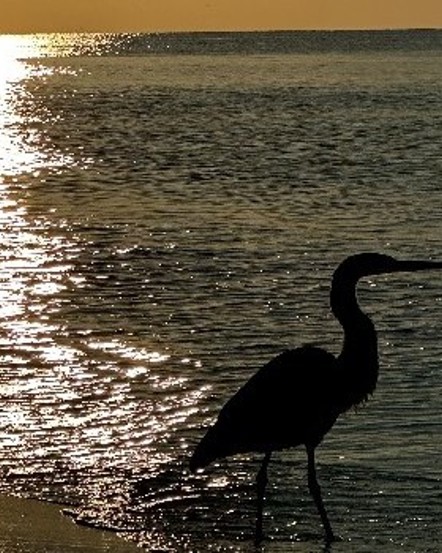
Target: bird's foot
x: 259, y: 538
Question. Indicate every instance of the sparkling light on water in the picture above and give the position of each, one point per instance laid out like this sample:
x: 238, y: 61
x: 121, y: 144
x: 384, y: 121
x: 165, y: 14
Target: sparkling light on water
x: 22, y: 136
x: 67, y: 398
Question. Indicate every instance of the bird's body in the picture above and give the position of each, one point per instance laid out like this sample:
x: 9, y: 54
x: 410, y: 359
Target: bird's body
x: 260, y: 416
x: 296, y: 398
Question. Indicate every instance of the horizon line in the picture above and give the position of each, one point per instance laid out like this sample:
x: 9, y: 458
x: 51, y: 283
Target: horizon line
x: 220, y: 31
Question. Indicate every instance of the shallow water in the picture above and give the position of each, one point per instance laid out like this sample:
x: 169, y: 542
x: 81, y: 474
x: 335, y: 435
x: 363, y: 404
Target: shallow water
x: 169, y: 222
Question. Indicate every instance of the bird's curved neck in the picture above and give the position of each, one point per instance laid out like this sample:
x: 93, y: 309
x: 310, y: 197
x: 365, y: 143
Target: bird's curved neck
x: 358, y: 361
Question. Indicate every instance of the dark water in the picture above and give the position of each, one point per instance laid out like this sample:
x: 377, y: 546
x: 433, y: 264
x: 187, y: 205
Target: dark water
x: 172, y: 208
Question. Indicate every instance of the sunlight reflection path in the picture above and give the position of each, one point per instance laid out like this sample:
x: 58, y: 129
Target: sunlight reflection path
x: 70, y: 401
x: 15, y: 155
x: 92, y: 403
x: 21, y: 128
x: 24, y: 145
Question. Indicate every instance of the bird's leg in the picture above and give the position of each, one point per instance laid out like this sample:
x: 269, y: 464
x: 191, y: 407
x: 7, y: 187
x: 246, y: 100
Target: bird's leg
x: 315, y: 490
x: 261, y: 482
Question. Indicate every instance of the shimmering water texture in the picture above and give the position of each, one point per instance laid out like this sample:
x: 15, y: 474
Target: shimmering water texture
x: 172, y: 208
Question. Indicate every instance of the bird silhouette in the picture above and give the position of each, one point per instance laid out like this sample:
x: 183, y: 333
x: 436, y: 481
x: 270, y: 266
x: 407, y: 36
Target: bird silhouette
x: 296, y: 398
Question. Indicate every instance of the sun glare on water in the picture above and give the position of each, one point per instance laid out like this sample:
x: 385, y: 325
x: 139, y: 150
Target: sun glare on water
x: 16, y: 154
x: 65, y: 392
x: 25, y: 61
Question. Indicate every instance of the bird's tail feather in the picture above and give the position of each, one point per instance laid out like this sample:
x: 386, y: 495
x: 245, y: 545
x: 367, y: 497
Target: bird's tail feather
x: 206, y: 451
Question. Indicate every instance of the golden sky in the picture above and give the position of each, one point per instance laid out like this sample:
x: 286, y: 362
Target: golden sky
x: 179, y: 15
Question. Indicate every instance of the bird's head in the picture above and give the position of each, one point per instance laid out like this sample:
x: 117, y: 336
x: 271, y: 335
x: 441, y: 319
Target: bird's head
x: 364, y: 264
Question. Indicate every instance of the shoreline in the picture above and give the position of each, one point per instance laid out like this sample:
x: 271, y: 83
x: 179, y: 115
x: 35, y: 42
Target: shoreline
x: 30, y: 525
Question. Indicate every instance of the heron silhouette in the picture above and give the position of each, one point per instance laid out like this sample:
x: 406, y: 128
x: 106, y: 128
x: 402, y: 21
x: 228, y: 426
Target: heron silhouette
x: 296, y: 398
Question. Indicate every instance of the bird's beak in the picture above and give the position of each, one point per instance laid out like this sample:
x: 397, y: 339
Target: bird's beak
x: 407, y: 266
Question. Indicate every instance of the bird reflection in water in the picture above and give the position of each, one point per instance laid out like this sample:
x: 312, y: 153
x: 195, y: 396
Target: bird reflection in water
x: 297, y: 397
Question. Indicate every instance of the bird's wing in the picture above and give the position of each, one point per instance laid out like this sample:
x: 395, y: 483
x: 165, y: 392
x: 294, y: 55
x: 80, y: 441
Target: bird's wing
x: 287, y: 402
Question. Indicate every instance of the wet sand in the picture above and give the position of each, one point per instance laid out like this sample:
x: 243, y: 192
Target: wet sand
x: 28, y: 526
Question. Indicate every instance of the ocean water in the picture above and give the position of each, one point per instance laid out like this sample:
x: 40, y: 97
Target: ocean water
x: 172, y: 208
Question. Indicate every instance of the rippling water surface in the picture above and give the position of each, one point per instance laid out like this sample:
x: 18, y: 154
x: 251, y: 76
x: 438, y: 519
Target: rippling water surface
x: 172, y: 208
